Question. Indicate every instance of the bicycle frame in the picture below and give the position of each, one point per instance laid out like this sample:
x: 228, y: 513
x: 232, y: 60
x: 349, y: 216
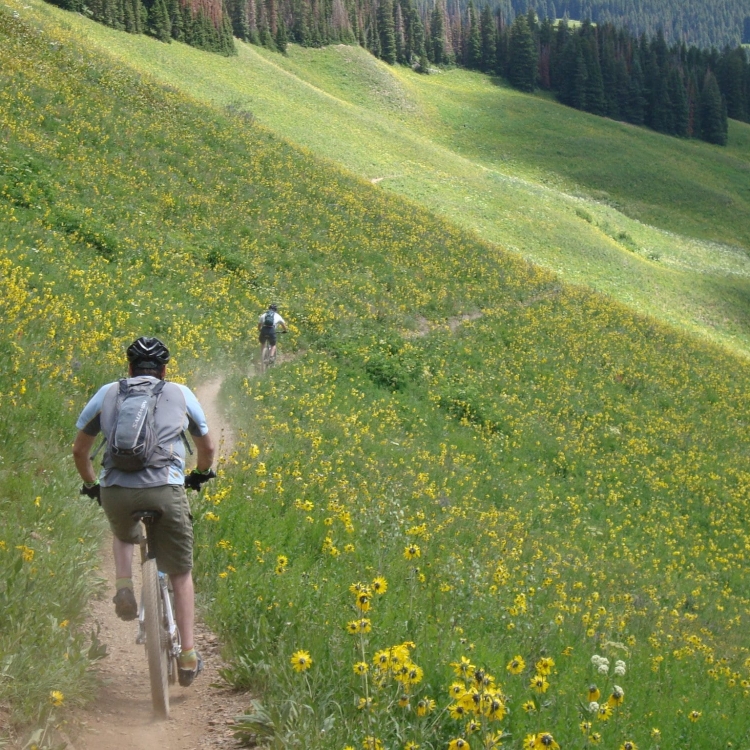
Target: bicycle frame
x: 157, y: 626
x: 173, y: 634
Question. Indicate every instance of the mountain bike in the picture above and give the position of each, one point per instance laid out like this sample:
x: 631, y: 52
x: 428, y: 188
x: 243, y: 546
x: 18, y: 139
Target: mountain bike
x: 267, y: 361
x: 157, y: 627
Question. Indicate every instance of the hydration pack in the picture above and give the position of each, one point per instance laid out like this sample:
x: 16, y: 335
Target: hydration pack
x: 268, y: 320
x: 132, y: 444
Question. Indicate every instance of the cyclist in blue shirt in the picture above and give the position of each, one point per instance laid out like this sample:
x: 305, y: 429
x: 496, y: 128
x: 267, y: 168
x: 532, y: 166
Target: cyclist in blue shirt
x: 160, y: 487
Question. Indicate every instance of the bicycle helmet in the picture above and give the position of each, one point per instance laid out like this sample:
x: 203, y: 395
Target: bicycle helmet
x: 148, y: 352
x: 273, y: 306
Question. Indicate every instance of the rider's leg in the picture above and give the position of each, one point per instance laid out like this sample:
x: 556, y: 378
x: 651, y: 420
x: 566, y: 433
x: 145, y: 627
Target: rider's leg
x: 184, y: 606
x: 189, y: 662
x: 126, y: 606
x: 123, y: 554
x: 272, y: 353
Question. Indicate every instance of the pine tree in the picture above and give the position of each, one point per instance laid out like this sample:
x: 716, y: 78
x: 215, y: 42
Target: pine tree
x: 609, y: 73
x: 712, y: 112
x: 594, y: 81
x: 416, y: 36
x: 622, y: 88
x: 226, y: 36
x: 473, y: 59
x: 502, y: 45
x: 160, y: 24
x: 731, y: 78
x: 635, y: 112
x: 265, y: 38
x: 579, y: 82
x: 373, y: 36
x: 238, y: 14
x: 302, y: 24
x: 487, y: 33
x: 175, y: 18
x: 400, y: 34
x: 693, y: 96
x: 557, y: 55
x: 386, y: 27
x: 132, y: 14
x: 437, y: 35
x: 679, y: 103
x: 523, y: 56
x: 187, y: 24
x: 251, y: 11
x: 281, y: 36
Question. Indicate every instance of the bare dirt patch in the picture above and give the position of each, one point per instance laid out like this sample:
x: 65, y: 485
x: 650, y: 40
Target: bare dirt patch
x: 424, y: 326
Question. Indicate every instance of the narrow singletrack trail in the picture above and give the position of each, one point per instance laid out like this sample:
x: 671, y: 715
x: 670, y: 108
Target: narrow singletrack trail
x: 120, y: 716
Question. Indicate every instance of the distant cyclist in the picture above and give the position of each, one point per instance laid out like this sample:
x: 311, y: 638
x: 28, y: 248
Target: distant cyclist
x: 269, y: 323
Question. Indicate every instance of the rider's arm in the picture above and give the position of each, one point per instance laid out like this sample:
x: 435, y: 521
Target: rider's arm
x: 204, y: 444
x: 82, y: 456
x: 198, y: 429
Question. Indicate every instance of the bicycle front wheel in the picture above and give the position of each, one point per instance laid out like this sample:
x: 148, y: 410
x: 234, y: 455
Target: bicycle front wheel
x: 156, y: 649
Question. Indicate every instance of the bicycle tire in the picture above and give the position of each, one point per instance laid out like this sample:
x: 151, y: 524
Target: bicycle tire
x: 265, y: 359
x: 155, y: 641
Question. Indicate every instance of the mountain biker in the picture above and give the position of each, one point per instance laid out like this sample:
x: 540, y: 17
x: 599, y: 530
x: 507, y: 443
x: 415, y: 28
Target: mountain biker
x: 161, y: 488
x: 268, y: 323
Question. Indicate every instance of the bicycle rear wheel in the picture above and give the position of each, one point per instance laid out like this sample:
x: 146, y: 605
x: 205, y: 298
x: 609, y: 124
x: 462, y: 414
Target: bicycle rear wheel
x: 266, y: 358
x: 156, y: 650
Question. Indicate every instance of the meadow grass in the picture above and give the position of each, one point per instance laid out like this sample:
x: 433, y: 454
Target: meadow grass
x: 471, y: 480
x: 656, y: 222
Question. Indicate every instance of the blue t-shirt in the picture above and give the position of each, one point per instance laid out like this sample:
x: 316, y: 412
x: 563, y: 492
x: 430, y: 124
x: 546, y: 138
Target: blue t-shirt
x: 178, y: 410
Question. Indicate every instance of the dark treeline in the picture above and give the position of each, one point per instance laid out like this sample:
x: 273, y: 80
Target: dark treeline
x: 703, y: 23
x: 678, y: 90
x: 203, y: 24
x: 602, y: 69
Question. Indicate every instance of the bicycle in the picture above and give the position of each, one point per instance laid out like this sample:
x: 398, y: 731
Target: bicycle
x: 157, y: 626
x: 267, y: 361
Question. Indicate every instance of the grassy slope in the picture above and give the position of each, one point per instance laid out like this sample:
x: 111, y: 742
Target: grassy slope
x: 627, y: 211
x: 573, y: 474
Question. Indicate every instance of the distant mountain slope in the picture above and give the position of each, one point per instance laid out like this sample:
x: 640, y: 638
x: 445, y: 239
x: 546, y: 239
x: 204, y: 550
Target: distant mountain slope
x: 626, y: 211
x: 705, y: 23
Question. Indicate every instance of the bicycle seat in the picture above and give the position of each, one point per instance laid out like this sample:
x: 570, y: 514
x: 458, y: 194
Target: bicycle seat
x: 146, y: 515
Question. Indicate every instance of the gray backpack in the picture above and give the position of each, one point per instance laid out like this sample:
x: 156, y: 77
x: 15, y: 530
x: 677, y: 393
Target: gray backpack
x: 132, y: 445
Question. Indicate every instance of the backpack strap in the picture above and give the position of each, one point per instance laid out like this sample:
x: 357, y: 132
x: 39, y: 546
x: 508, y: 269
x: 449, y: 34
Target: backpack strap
x: 98, y: 450
x: 186, y: 442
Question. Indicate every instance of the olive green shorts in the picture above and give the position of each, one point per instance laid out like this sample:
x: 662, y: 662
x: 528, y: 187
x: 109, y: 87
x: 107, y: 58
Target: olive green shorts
x: 173, y: 532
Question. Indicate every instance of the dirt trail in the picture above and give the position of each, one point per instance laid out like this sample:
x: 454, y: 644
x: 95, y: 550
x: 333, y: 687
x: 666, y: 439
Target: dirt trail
x: 120, y: 717
x: 208, y: 395
x: 424, y: 326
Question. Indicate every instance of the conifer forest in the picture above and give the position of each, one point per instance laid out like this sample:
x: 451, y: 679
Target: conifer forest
x: 655, y: 65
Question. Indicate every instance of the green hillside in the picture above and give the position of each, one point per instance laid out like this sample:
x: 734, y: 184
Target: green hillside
x: 468, y: 481
x: 655, y: 222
